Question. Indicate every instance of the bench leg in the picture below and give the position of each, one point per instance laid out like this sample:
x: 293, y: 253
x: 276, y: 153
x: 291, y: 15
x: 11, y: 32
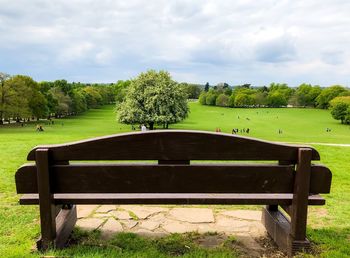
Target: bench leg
x: 298, y: 215
x: 277, y: 226
x: 63, y: 224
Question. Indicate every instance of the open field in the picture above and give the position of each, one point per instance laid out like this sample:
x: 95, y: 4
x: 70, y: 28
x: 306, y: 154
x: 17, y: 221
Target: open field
x: 329, y: 226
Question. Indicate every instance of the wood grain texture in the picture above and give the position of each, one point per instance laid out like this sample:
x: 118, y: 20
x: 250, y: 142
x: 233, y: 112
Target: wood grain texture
x: 172, y: 178
x: 174, y: 145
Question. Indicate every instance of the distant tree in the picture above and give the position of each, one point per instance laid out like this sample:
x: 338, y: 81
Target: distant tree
x: 202, y: 98
x: 192, y: 90
x: 246, y: 85
x: 19, y: 94
x: 206, y: 87
x: 4, y: 94
x: 276, y: 99
x: 328, y: 94
x: 78, y: 104
x: 340, y: 111
x: 306, y: 95
x: 222, y: 100
x: 260, y: 98
x: 92, y: 96
x: 63, y: 85
x: 120, y: 90
x: 244, y: 100
x: 153, y: 98
x: 63, y: 102
x: 211, y: 97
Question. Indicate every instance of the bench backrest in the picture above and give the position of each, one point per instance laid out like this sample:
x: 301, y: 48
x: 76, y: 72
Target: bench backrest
x: 174, y: 151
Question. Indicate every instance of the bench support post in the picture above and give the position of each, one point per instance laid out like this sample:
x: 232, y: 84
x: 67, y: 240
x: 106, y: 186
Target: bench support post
x: 57, y: 221
x: 298, y: 240
x: 290, y: 234
x: 46, y: 204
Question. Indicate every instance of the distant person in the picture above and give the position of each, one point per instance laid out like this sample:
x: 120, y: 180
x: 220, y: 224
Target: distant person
x: 247, y: 131
x: 234, y: 131
x: 218, y: 130
x: 143, y: 128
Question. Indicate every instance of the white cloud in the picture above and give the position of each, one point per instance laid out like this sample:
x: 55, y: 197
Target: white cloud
x: 202, y: 40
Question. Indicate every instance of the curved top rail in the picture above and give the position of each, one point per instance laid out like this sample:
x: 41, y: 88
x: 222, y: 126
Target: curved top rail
x: 173, y: 145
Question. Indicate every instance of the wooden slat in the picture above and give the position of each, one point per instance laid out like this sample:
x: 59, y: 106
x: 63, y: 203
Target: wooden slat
x: 201, y: 179
x: 173, y: 145
x: 185, y: 198
x: 120, y: 178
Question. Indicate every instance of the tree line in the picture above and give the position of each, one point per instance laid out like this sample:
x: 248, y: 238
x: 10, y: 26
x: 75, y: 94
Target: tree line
x: 276, y: 95
x: 23, y: 99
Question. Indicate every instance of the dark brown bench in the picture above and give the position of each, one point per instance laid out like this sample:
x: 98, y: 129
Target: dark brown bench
x: 286, y: 178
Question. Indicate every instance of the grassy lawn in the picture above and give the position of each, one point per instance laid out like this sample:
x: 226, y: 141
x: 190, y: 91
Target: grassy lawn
x: 329, y: 226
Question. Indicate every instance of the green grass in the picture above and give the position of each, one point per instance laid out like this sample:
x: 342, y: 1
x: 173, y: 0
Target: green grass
x: 329, y: 226
x: 297, y: 124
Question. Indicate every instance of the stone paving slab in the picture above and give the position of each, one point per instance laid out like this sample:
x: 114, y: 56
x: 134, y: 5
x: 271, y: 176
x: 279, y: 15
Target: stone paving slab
x: 155, y: 221
x: 90, y: 223
x: 243, y: 214
x: 85, y: 210
x: 142, y: 212
x: 192, y: 215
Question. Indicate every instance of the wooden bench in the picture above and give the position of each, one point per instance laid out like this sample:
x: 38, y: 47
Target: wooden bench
x: 285, y: 178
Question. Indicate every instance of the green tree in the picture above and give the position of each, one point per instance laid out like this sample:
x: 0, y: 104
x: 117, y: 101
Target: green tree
x: 211, y: 97
x: 17, y: 103
x: 206, y: 87
x: 120, y: 90
x: 5, y: 91
x: 192, y: 90
x: 36, y: 100
x: 92, y: 96
x: 153, y: 98
x: 328, y: 94
x: 63, y: 102
x: 202, y: 98
x: 276, y: 99
x: 222, y: 100
x: 340, y: 111
x: 78, y: 104
x: 244, y: 100
x: 306, y: 94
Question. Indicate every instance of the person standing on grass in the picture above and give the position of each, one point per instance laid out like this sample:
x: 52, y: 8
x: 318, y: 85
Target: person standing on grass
x: 143, y: 128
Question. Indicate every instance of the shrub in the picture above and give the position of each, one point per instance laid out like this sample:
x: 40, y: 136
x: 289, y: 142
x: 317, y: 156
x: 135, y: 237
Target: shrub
x: 210, y: 98
x: 202, y: 98
x: 222, y: 100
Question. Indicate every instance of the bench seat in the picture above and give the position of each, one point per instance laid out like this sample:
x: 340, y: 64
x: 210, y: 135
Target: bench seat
x: 162, y: 198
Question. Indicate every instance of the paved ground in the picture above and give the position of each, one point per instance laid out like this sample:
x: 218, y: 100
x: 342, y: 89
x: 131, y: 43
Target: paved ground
x: 156, y: 221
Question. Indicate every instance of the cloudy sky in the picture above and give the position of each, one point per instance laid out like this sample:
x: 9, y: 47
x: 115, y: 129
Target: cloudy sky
x: 241, y: 41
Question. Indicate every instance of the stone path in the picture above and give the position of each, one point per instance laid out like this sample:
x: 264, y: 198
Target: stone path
x: 153, y: 221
